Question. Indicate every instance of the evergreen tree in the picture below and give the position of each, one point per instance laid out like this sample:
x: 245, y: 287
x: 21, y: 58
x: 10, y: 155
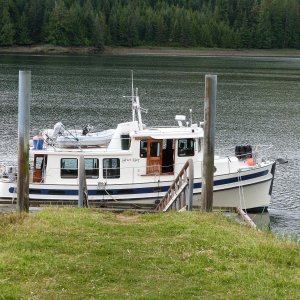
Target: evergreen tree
x: 132, y: 27
x: 186, y: 33
x: 276, y: 10
x: 175, y: 34
x: 227, y: 36
x: 245, y: 33
x: 159, y: 29
x: 114, y: 27
x: 206, y: 36
x: 23, y: 35
x: 186, y: 23
x: 292, y: 24
x: 35, y: 19
x: 88, y: 23
x: 77, y: 33
x: 7, y: 32
x: 99, y: 30
x: 58, y: 30
x: 149, y: 26
x: 264, y: 30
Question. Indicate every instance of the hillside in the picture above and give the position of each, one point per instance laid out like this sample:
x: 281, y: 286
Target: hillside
x: 263, y: 24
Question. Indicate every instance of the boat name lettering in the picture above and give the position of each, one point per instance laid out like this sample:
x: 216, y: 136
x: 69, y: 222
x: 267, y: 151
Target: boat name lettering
x: 124, y: 160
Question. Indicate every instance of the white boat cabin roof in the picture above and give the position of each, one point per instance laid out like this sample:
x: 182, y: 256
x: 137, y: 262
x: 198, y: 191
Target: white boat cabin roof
x: 170, y: 132
x: 175, y: 132
x: 132, y: 130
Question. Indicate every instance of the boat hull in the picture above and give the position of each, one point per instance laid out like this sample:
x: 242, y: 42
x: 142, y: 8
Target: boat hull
x: 247, y: 189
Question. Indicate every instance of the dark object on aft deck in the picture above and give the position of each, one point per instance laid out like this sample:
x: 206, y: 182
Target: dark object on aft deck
x: 243, y: 152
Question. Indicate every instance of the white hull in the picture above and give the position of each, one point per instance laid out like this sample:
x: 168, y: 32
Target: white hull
x: 254, y: 196
x: 247, y: 189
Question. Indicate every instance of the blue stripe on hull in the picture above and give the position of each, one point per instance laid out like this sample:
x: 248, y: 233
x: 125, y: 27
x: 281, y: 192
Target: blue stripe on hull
x: 133, y: 191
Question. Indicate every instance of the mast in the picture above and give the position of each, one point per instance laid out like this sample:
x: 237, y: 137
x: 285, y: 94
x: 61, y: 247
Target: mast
x: 136, y: 108
x: 132, y: 97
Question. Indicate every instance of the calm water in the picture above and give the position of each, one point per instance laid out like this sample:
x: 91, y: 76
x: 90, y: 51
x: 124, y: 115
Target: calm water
x: 258, y: 103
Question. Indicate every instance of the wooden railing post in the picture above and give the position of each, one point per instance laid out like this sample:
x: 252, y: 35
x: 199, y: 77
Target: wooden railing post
x: 191, y: 184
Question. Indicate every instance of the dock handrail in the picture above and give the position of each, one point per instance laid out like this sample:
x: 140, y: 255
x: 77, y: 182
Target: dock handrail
x: 176, y: 197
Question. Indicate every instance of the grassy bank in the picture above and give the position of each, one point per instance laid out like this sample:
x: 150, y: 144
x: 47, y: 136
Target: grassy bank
x: 83, y: 254
x: 167, y: 51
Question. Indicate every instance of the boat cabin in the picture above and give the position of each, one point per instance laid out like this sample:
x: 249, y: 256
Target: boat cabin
x: 130, y: 154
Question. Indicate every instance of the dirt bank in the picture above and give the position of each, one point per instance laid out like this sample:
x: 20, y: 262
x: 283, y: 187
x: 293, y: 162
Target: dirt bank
x: 49, y: 49
x: 160, y: 51
x: 204, y: 52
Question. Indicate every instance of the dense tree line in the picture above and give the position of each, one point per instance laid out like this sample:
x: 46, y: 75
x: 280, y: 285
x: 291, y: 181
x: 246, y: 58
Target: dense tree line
x: 185, y: 23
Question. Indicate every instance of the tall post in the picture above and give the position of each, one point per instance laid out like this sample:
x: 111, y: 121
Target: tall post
x: 23, y: 140
x: 191, y: 184
x: 81, y: 174
x: 209, y: 142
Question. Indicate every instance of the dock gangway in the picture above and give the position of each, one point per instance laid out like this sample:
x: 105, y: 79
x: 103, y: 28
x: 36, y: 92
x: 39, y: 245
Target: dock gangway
x: 179, y: 196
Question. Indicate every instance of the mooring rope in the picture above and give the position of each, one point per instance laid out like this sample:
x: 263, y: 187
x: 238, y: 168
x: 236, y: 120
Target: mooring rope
x: 104, y: 188
x: 241, y: 192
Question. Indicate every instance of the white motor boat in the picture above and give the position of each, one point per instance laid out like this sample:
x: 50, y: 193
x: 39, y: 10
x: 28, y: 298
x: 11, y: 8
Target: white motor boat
x: 137, y: 164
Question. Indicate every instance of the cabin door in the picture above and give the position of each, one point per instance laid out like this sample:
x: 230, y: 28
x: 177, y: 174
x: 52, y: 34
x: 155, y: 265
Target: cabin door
x: 39, y: 168
x: 167, y: 162
x: 154, y: 154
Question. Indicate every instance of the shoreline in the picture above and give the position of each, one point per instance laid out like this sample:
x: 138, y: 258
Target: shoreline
x: 144, y: 51
x: 161, y: 51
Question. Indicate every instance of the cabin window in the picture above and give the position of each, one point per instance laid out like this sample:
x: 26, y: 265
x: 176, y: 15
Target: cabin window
x: 143, y: 149
x: 39, y: 170
x: 39, y: 162
x: 125, y: 141
x: 186, y: 147
x: 155, y: 149
x: 111, y: 168
x: 91, y: 167
x: 167, y: 161
x: 69, y: 168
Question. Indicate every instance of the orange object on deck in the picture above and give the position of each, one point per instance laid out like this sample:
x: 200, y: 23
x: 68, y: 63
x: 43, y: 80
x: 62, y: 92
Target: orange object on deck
x: 250, y: 162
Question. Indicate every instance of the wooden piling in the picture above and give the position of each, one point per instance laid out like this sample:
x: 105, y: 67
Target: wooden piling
x: 81, y: 181
x: 23, y: 140
x: 209, y: 142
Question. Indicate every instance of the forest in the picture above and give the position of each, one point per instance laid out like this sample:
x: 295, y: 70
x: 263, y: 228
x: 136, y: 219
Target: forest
x: 262, y: 24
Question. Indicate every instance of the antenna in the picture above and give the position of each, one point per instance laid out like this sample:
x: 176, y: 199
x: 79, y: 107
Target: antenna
x: 191, y: 116
x: 136, y: 108
x: 132, y: 97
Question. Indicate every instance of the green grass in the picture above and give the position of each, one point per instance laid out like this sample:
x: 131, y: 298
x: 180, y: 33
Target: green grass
x: 75, y: 253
